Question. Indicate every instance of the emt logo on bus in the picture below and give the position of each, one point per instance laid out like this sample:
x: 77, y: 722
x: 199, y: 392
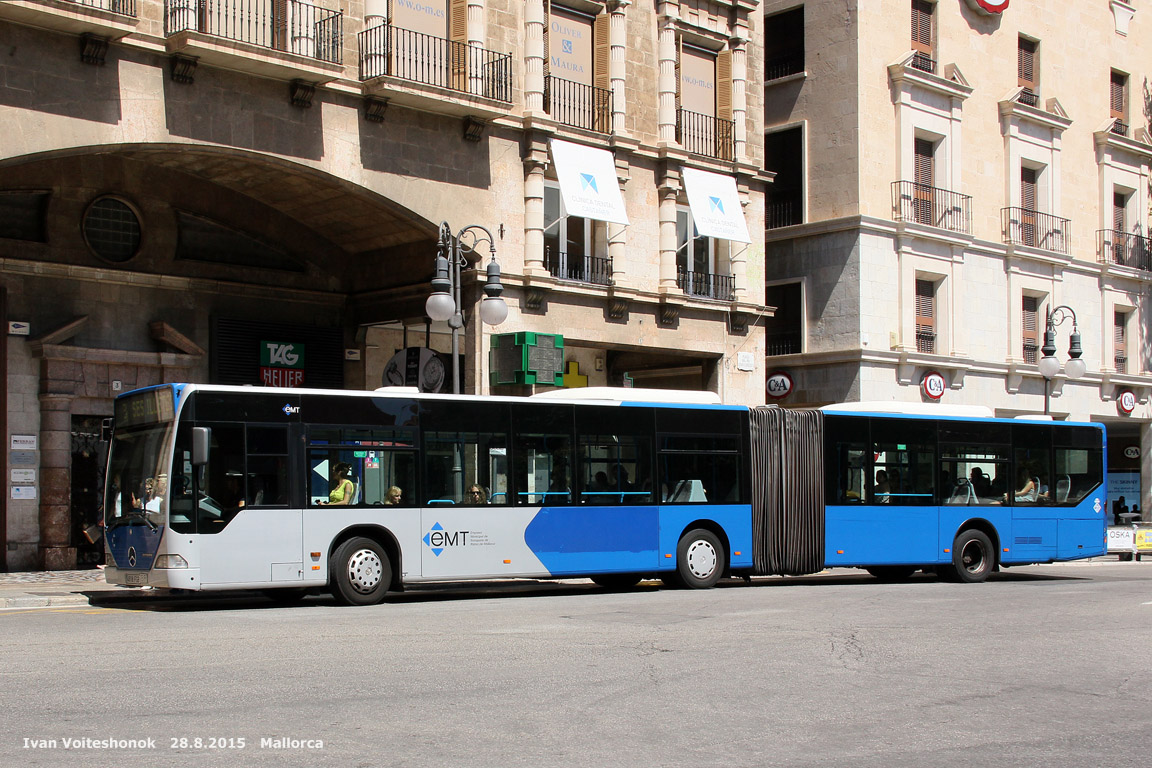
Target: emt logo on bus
x: 281, y: 364
x: 439, y: 539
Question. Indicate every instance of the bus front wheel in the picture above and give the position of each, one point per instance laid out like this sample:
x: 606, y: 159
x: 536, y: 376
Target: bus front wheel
x: 973, y: 557
x: 361, y: 573
x: 699, y: 559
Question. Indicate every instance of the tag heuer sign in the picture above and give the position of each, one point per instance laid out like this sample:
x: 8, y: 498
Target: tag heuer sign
x: 281, y: 364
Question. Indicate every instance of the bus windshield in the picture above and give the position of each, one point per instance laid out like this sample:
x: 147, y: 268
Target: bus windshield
x: 137, y: 473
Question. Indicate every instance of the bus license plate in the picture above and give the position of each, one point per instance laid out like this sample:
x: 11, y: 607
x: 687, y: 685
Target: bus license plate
x: 136, y: 578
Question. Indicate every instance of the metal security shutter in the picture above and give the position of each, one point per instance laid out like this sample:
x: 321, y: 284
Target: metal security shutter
x: 235, y: 351
x: 787, y: 490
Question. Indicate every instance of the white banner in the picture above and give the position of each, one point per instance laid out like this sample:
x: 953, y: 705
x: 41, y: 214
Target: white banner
x: 588, y: 183
x: 715, y: 205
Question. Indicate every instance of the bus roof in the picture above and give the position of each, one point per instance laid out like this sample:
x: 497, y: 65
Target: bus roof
x: 914, y: 409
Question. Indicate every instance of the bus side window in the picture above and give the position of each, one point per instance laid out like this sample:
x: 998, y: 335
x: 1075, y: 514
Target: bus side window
x: 267, y: 467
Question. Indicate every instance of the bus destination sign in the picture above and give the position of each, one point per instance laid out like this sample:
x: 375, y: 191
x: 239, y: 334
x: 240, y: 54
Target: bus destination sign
x: 152, y: 407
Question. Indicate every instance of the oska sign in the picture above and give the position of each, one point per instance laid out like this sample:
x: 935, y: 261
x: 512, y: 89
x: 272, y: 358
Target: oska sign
x: 988, y: 7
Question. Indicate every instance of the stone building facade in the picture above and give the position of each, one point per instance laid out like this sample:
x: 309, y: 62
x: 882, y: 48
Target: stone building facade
x: 184, y: 184
x: 948, y: 175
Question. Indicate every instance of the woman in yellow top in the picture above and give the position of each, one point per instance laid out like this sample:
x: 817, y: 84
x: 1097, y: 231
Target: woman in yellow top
x: 342, y: 487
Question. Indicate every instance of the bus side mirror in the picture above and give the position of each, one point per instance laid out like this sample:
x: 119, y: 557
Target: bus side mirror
x: 201, y: 440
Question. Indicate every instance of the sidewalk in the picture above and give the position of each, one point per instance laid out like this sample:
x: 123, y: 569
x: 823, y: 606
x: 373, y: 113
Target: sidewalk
x: 41, y: 589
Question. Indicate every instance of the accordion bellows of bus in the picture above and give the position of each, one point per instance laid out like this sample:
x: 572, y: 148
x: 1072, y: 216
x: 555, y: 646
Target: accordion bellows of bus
x: 296, y: 491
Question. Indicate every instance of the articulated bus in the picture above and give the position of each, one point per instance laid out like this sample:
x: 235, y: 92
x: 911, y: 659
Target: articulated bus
x: 297, y: 491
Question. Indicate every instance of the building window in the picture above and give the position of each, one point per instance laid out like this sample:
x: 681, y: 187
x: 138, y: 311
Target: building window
x: 112, y: 229
x: 922, y: 15
x: 784, y: 330
x: 1120, y: 341
x: 576, y: 87
x: 926, y: 316
x: 23, y: 214
x: 1028, y: 71
x: 1030, y: 327
x: 696, y: 257
x: 1118, y: 102
x: 784, y: 199
x: 784, y: 44
x: 704, y: 124
x: 924, y: 170
x: 567, y: 239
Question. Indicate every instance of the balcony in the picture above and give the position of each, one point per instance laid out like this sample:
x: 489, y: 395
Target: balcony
x: 1031, y: 352
x: 923, y: 62
x: 931, y: 206
x: 578, y: 105
x: 1124, y: 248
x: 706, y: 135
x: 1119, y: 127
x: 1023, y: 226
x: 784, y: 343
x: 706, y: 284
x: 783, y: 208
x: 784, y: 66
x: 1029, y: 98
x: 111, y: 19
x: 285, y: 40
x: 387, y: 51
x: 583, y: 269
x: 925, y: 342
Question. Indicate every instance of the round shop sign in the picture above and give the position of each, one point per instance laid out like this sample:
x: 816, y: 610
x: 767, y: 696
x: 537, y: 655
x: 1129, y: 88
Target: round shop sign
x: 779, y: 385
x: 989, y: 7
x: 1126, y: 402
x: 933, y: 385
x: 1132, y: 452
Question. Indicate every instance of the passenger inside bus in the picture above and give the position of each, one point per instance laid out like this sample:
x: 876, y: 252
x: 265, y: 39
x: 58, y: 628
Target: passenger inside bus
x: 393, y: 496
x: 343, y: 489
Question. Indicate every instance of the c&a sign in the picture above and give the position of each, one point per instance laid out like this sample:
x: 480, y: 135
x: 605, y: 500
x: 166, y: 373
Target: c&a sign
x: 281, y: 364
x: 988, y: 7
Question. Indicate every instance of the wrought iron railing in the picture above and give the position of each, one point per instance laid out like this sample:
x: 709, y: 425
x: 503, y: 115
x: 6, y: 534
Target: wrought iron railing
x: 706, y: 135
x: 1119, y: 127
x: 1120, y: 362
x: 1029, y: 97
x: 1124, y: 248
x: 578, y: 105
x: 926, y: 342
x: 286, y: 25
x: 706, y: 284
x: 420, y: 58
x: 122, y: 7
x: 1023, y: 226
x: 585, y: 269
x: 931, y: 206
x: 787, y: 343
x: 783, y: 66
x: 1030, y: 352
x: 783, y: 209
x: 924, y: 62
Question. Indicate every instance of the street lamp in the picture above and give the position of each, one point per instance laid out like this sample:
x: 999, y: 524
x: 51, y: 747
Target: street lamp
x: 1048, y: 364
x: 444, y: 302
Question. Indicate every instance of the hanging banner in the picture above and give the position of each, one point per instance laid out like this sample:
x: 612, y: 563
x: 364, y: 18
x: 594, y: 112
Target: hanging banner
x: 715, y: 205
x: 588, y: 183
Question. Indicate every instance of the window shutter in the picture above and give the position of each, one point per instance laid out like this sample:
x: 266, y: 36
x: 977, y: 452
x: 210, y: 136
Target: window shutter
x: 1028, y: 188
x: 601, y: 51
x: 922, y: 26
x: 1030, y: 322
x: 1116, y: 89
x: 924, y: 174
x: 279, y: 24
x: 724, y: 84
x: 1120, y: 341
x: 1119, y: 217
x: 458, y: 35
x: 547, y: 49
x: 1026, y: 64
x: 925, y: 316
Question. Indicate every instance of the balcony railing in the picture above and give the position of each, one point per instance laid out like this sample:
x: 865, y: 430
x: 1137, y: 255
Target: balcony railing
x: 706, y: 135
x: 785, y: 343
x: 1119, y: 127
x: 931, y: 206
x: 926, y: 342
x: 706, y: 284
x: 420, y: 58
x: 783, y: 66
x: 783, y: 208
x: 287, y: 25
x: 1029, y: 98
x: 1120, y: 363
x: 924, y: 63
x: 1124, y: 248
x: 1030, y: 353
x: 578, y: 105
x: 585, y: 269
x: 1023, y: 226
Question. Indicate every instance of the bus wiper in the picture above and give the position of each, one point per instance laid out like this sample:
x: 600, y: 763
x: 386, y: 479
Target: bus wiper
x: 140, y: 514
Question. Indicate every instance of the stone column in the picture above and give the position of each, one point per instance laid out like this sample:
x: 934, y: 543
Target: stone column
x: 669, y: 191
x: 666, y: 88
x: 56, y: 552
x: 534, y: 56
x: 476, y: 39
x: 738, y: 44
x: 535, y: 163
x: 617, y: 61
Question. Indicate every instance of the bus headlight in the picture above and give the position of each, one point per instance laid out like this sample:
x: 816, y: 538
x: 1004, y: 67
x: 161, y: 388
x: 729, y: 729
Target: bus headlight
x: 171, y: 561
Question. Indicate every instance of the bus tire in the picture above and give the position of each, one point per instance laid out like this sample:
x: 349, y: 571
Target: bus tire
x: 892, y: 572
x: 699, y: 559
x: 616, y: 581
x: 360, y: 572
x: 973, y: 557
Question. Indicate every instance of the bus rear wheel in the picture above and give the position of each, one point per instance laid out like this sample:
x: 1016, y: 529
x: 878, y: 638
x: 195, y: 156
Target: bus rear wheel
x: 360, y: 572
x: 699, y: 559
x: 973, y: 558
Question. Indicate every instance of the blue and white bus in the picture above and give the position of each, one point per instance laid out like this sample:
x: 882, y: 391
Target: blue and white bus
x: 294, y: 491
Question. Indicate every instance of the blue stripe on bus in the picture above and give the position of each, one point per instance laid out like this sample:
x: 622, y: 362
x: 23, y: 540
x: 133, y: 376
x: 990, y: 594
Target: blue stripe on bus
x: 588, y: 539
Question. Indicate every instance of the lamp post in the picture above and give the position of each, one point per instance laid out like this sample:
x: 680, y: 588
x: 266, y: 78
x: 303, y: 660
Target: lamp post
x: 444, y: 302
x: 1048, y: 364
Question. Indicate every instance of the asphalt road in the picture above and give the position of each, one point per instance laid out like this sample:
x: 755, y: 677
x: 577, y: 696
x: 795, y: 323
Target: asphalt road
x: 1042, y: 666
